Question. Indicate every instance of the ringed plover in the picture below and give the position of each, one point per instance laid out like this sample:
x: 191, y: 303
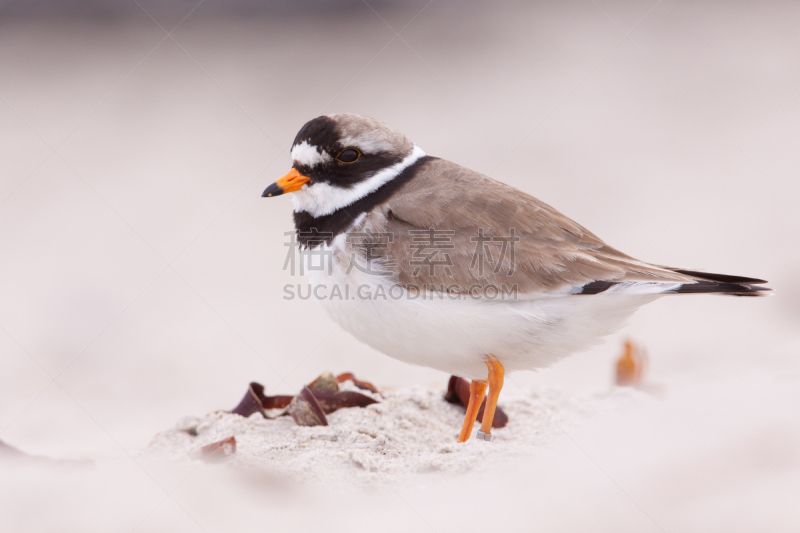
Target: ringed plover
x: 485, y: 278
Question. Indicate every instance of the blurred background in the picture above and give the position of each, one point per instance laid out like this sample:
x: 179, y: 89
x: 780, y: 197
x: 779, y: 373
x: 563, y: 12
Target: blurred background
x: 141, y: 272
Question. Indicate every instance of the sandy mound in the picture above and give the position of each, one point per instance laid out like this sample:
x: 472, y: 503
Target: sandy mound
x: 410, y: 431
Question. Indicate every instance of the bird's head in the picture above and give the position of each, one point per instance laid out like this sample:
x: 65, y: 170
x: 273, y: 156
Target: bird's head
x: 338, y: 159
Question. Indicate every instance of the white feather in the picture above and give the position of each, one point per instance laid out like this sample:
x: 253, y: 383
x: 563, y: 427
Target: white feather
x: 309, y: 155
x: 368, y: 143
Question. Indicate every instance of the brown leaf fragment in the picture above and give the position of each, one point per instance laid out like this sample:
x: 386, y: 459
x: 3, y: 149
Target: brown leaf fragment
x: 276, y: 402
x: 458, y: 394
x: 330, y: 401
x: 216, y: 451
x: 255, y: 401
x: 364, y: 385
x: 630, y: 366
x: 251, y: 402
x: 306, y: 410
x: 326, y: 381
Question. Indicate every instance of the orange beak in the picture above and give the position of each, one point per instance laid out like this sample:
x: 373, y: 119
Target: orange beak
x: 290, y: 182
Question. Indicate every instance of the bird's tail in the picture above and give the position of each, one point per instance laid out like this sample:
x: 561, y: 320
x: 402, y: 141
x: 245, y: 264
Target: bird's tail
x: 721, y: 284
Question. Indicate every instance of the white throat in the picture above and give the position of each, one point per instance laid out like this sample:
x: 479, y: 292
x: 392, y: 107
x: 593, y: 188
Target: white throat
x: 322, y: 199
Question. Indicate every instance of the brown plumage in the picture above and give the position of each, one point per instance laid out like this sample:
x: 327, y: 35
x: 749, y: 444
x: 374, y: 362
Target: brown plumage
x: 552, y: 254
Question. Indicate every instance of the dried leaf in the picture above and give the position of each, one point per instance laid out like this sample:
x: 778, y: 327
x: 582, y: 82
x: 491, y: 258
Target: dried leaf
x: 364, y: 385
x: 276, y: 402
x: 330, y: 401
x: 216, y: 451
x: 630, y: 366
x: 326, y: 382
x: 251, y: 402
x: 458, y: 394
x: 306, y: 410
x: 255, y: 401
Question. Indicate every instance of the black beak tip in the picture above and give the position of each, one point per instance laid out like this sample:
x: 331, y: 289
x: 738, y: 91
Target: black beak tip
x: 272, y: 190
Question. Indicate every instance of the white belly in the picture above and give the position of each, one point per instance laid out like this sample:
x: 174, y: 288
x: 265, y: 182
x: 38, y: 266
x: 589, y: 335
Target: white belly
x: 455, y: 334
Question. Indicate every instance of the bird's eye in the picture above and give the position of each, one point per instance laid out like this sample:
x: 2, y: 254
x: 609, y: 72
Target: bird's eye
x: 350, y: 155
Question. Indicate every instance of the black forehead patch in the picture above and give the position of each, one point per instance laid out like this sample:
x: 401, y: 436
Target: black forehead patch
x: 320, y: 132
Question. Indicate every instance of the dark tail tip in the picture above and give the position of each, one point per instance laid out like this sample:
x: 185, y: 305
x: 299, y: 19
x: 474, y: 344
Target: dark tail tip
x: 722, y: 278
x: 722, y: 284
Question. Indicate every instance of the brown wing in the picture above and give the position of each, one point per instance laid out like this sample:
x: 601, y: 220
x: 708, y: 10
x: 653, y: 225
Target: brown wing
x: 455, y: 227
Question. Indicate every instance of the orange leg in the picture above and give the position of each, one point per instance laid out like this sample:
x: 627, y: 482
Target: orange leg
x: 476, y: 392
x: 496, y: 375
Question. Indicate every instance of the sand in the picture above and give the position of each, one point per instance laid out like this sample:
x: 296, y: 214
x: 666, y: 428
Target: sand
x: 615, y: 459
x: 411, y: 431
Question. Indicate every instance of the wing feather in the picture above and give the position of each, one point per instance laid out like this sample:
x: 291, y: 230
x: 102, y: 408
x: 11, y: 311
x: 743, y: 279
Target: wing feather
x: 549, y: 253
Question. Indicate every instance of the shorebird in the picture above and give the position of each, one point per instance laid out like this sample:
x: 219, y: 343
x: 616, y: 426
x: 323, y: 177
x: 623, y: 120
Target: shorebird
x: 475, y: 277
